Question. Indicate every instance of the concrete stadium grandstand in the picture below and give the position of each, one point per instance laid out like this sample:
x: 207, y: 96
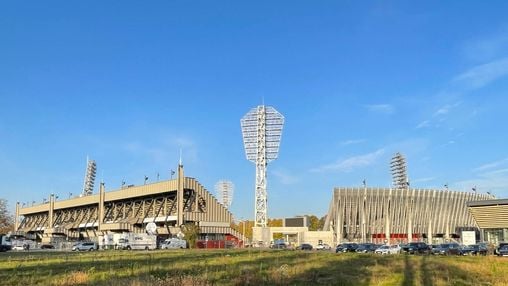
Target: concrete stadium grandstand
x: 400, y: 215
x: 168, y: 204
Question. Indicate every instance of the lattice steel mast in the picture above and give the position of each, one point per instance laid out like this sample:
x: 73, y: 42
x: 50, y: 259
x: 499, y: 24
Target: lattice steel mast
x: 261, y: 130
x: 89, y: 181
x: 225, y: 190
x: 399, y: 171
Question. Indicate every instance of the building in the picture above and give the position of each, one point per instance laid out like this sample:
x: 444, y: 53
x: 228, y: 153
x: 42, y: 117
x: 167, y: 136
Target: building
x: 399, y: 215
x: 492, y: 219
x: 169, y: 204
x: 294, y: 231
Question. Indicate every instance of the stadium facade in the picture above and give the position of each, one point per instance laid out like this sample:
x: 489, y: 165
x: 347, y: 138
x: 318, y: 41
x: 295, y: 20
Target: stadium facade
x: 492, y: 218
x: 399, y: 215
x: 169, y: 204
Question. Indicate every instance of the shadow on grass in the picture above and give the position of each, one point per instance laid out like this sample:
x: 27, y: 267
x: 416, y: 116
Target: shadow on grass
x: 409, y: 270
x: 426, y: 276
x: 349, y: 270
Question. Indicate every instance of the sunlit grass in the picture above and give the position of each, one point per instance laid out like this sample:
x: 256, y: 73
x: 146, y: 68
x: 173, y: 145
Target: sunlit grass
x: 246, y: 267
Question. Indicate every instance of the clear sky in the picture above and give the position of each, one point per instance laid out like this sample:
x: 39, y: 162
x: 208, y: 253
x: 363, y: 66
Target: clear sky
x: 129, y: 83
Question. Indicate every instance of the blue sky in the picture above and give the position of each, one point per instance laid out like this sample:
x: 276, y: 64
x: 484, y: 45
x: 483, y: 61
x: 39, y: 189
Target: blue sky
x: 131, y: 83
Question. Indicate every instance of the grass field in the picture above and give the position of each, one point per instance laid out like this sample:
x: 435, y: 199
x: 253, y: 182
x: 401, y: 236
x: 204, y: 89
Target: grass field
x: 246, y: 267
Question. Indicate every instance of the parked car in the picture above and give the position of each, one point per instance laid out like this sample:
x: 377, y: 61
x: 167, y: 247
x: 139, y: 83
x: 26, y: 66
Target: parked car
x: 475, y: 249
x: 18, y: 247
x: 305, y: 246
x: 279, y: 245
x: 84, y: 246
x: 447, y: 249
x: 416, y: 248
x: 346, y: 247
x: 388, y: 249
x: 323, y: 246
x: 503, y: 250
x: 47, y: 246
x: 366, y: 247
x: 501, y: 245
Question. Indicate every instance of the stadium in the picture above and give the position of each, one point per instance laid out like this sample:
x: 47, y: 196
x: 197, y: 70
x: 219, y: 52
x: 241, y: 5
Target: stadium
x: 400, y: 214
x: 169, y: 204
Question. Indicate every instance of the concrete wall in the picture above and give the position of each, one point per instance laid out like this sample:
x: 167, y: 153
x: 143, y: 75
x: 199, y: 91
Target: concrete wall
x: 313, y: 237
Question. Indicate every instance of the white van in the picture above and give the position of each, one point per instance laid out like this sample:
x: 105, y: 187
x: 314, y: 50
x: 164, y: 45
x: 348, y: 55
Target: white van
x: 137, y: 241
x: 173, y: 243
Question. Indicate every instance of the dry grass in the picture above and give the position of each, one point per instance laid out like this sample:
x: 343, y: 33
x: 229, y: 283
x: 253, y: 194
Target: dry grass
x: 246, y: 267
x: 73, y: 278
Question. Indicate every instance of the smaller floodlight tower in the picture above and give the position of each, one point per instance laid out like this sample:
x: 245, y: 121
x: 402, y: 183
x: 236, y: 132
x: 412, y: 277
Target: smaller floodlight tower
x: 398, y: 167
x: 399, y: 171
x: 225, y: 190
x: 91, y: 170
x: 261, y: 130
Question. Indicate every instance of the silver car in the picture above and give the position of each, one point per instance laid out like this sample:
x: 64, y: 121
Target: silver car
x: 388, y: 249
x: 85, y: 246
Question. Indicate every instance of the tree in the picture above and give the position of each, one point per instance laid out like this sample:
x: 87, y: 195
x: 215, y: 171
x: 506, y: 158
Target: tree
x: 191, y: 232
x: 313, y: 222
x: 6, y: 219
x: 248, y: 228
x: 316, y: 224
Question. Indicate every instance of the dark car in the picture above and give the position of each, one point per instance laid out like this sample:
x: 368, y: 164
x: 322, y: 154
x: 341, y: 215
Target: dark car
x: 501, y: 245
x: 416, y: 248
x: 279, y: 245
x: 447, y: 249
x: 305, y: 246
x: 47, y: 246
x: 475, y: 249
x: 366, y: 247
x: 346, y: 247
x: 503, y: 250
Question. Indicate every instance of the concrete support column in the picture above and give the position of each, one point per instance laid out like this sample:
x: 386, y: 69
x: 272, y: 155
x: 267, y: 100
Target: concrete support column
x: 339, y: 226
x: 409, y: 216
x: 387, y: 217
x: 447, y: 234
x: 429, y: 232
x: 387, y: 228
x: 102, y: 196
x: 51, y: 210
x: 179, y: 195
x: 16, y: 218
x: 363, y: 226
x: 410, y: 227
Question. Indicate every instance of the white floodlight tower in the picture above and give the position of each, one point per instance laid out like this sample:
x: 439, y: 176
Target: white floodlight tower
x: 261, y: 130
x: 91, y: 170
x: 225, y: 190
x: 399, y: 171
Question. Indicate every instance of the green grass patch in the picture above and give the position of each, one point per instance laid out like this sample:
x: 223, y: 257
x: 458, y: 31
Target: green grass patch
x: 246, y: 267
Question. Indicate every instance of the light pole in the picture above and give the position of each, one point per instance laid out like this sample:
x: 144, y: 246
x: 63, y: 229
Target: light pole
x: 243, y: 233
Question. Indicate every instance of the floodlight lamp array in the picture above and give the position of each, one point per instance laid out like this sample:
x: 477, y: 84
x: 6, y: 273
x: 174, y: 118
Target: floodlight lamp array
x: 251, y: 126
